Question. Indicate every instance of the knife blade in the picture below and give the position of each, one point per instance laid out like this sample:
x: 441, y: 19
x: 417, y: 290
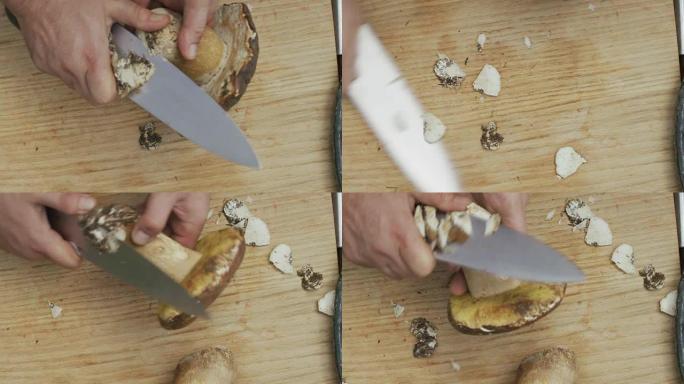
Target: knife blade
x: 511, y: 254
x: 182, y: 105
x: 128, y: 265
x: 386, y: 102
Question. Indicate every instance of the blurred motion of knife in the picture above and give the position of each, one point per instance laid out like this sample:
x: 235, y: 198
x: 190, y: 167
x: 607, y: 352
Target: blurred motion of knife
x: 384, y: 99
x: 511, y: 254
x: 127, y: 265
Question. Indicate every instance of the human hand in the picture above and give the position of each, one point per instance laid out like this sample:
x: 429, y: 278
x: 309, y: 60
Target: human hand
x: 69, y: 39
x: 26, y: 232
x: 379, y: 230
x: 196, y: 15
x: 181, y: 214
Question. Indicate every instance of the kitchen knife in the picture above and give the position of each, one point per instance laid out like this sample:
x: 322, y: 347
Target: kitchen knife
x: 511, y: 254
x: 127, y: 265
x: 679, y: 316
x: 182, y: 105
x: 386, y: 102
x: 337, y: 318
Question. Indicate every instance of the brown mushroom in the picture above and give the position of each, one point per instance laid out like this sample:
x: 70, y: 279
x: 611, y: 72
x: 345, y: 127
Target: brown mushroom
x: 493, y: 304
x: 226, y: 54
x: 555, y: 365
x: 209, y: 366
x: 204, y: 272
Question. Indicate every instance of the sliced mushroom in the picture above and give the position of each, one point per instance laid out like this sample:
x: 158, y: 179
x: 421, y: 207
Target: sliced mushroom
x: 419, y: 220
x: 236, y: 213
x: 326, y: 304
x: 488, y: 81
x: 130, y: 72
x: 598, y: 233
x: 623, y: 258
x: 431, y: 223
x: 555, y: 365
x: 226, y: 55
x: 568, y: 162
x: 209, y: 366
x: 448, y: 72
x: 433, y: 128
x: 506, y: 311
x: 281, y: 258
x: 256, y: 233
x: 668, y: 304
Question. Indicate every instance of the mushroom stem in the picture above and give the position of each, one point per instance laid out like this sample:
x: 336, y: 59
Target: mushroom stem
x: 483, y: 284
x: 555, y: 365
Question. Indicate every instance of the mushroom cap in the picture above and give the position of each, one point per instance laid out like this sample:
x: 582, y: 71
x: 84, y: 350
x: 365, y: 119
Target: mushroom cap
x: 506, y: 311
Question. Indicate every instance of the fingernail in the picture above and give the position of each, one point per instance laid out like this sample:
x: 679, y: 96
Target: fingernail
x: 140, y: 237
x: 75, y: 247
x: 86, y: 203
x: 158, y: 17
x: 192, y: 51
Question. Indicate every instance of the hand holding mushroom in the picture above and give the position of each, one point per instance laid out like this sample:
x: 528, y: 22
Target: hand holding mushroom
x: 380, y: 232
x: 69, y: 38
x: 26, y: 232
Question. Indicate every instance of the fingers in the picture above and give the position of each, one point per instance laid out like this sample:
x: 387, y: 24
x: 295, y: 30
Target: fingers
x: 158, y: 208
x: 48, y: 244
x: 99, y: 78
x: 445, y: 201
x: 190, y: 214
x: 457, y: 284
x: 69, y: 203
x: 416, y: 253
x: 195, y: 16
x: 132, y: 14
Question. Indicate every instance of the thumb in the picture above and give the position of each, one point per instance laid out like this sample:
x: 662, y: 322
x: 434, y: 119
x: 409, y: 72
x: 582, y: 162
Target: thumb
x: 195, y: 17
x: 129, y: 13
x: 69, y: 203
x: 415, y: 252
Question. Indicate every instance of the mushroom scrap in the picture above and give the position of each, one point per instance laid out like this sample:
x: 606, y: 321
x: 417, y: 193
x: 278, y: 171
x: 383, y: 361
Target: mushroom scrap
x: 493, y: 304
x: 555, y: 365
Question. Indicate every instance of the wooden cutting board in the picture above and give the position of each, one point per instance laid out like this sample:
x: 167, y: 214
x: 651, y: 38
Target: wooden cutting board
x: 611, y: 321
x: 108, y: 332
x: 603, y: 81
x: 51, y: 139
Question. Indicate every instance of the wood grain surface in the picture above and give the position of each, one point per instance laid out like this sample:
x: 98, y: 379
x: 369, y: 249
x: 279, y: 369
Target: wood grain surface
x: 108, y: 332
x: 51, y: 139
x: 610, y: 321
x: 603, y: 81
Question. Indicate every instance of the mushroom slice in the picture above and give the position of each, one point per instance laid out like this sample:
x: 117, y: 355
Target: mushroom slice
x: 568, y: 162
x: 491, y: 139
x: 210, y: 365
x: 256, y: 233
x: 130, y: 72
x: 444, y: 232
x: 506, y: 311
x: 426, y: 337
x: 598, y: 233
x: 555, y: 365
x: 481, y: 40
x: 433, y: 128
x: 418, y: 218
x: 623, y: 258
x: 577, y: 211
x: 653, y: 280
x: 326, y: 304
x: 488, y: 81
x: 431, y: 223
x: 281, y: 258
x: 477, y: 211
x: 311, y: 280
x: 236, y: 213
x: 668, y: 304
x: 448, y: 72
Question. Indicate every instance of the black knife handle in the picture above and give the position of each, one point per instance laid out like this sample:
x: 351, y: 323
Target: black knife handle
x: 679, y: 327
x: 679, y: 135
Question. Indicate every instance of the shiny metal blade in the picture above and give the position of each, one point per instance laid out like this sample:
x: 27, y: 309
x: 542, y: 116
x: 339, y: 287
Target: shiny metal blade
x: 182, y: 105
x: 132, y: 268
x: 394, y: 114
x: 512, y: 254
